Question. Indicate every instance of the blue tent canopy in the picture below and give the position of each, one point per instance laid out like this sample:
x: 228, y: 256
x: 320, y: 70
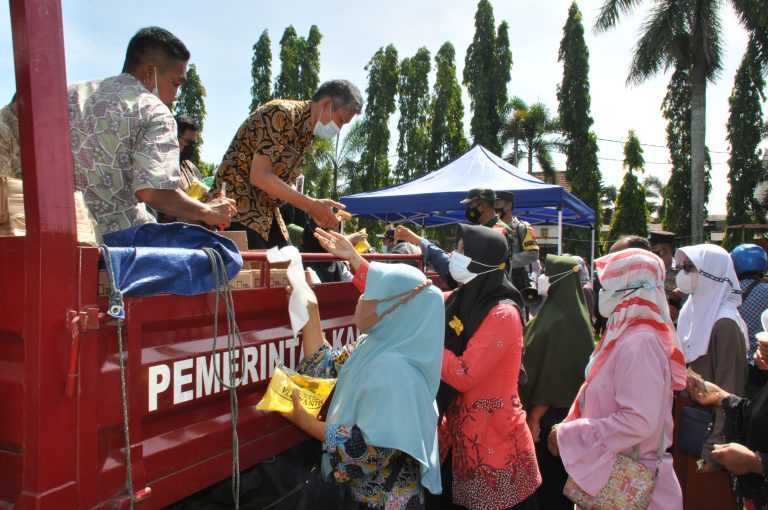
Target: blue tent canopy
x: 434, y: 198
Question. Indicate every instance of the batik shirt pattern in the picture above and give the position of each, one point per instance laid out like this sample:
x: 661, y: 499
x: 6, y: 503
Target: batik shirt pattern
x: 123, y: 140
x: 281, y: 131
x: 381, y: 478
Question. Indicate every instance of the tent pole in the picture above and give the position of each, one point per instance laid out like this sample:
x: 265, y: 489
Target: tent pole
x: 559, y: 231
x: 592, y: 254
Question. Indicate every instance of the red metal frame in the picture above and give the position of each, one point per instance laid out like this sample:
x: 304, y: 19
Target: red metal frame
x: 50, y: 260
x: 61, y: 443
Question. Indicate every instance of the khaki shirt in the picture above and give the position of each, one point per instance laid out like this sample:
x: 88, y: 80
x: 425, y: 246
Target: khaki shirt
x: 281, y: 131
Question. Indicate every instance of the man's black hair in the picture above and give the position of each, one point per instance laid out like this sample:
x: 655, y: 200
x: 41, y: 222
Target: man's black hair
x: 184, y: 122
x: 13, y: 99
x: 151, y: 42
x: 343, y: 92
x: 635, y: 242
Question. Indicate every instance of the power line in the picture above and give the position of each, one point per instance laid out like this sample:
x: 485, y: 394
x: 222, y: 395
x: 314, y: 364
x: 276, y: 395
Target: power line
x: 652, y: 145
x: 657, y: 162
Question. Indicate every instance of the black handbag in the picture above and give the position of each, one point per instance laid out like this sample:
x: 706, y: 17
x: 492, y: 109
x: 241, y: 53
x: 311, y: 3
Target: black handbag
x: 694, y: 427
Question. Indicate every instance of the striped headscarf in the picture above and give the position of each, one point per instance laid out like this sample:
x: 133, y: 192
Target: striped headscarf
x: 637, y: 276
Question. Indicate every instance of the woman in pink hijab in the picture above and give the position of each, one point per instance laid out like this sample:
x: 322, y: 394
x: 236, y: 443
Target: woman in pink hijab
x: 625, y: 402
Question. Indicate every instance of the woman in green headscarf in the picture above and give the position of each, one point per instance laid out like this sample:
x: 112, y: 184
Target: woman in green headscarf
x: 558, y: 343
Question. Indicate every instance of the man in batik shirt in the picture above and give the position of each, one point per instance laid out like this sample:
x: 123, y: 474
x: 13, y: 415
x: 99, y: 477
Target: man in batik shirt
x: 124, y: 143
x: 10, y: 156
x: 264, y: 160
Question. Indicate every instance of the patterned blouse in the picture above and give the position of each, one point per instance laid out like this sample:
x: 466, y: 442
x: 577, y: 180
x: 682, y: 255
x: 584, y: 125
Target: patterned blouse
x: 281, y: 131
x: 381, y: 478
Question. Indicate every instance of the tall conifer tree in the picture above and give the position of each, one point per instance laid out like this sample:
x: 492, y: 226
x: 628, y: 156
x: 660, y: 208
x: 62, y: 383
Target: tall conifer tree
x: 447, y: 124
x: 374, y: 168
x: 573, y: 94
x: 413, y: 126
x: 261, y: 71
x: 191, y: 102
x: 631, y: 216
x: 745, y: 130
x: 486, y: 74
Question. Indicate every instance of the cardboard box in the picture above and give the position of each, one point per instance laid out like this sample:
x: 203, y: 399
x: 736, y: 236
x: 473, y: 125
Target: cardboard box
x: 243, y: 280
x: 103, y: 290
x: 277, y: 278
x: 239, y: 237
x: 13, y: 221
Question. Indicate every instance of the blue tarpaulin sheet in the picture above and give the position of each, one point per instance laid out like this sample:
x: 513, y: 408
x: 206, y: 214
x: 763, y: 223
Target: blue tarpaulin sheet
x: 168, y: 259
x: 434, y: 198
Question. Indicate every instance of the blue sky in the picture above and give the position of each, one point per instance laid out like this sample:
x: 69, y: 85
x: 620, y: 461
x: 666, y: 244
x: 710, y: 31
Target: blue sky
x: 220, y: 36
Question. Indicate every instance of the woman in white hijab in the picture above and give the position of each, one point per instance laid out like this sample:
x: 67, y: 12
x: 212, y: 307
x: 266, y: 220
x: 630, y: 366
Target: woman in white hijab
x: 714, y: 341
x: 712, y: 333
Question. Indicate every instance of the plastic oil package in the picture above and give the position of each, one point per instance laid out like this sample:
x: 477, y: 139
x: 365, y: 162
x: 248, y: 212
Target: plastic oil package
x: 197, y: 190
x: 313, y: 391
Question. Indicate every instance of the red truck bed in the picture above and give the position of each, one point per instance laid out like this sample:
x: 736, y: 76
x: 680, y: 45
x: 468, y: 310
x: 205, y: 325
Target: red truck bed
x: 179, y: 415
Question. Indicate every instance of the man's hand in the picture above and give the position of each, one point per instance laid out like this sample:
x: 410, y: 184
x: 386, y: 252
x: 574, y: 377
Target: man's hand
x: 737, y: 459
x: 322, y: 212
x: 405, y: 234
x: 219, y: 211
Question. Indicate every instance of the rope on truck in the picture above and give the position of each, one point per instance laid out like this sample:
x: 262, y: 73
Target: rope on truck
x: 117, y: 310
x: 234, y: 341
x: 223, y: 292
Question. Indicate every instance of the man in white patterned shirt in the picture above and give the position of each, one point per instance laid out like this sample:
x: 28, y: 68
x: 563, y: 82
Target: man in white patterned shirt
x: 124, y: 140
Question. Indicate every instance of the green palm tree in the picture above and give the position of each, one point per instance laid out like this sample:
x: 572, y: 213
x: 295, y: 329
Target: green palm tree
x: 532, y: 128
x: 654, y: 195
x: 343, y: 154
x: 687, y: 33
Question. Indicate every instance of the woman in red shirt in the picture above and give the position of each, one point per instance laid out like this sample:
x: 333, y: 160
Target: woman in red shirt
x: 483, y: 433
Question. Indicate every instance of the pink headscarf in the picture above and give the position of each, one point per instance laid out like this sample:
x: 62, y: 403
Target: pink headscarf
x: 638, y: 275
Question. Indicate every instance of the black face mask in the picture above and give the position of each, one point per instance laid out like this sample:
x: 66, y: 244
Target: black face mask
x: 472, y: 214
x: 188, y: 152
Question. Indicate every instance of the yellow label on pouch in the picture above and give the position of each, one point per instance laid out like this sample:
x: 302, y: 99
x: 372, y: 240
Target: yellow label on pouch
x: 313, y: 392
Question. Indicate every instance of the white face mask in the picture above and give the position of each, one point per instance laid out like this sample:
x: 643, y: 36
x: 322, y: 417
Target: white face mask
x: 687, y: 282
x: 607, y: 301
x: 458, y: 266
x: 326, y: 130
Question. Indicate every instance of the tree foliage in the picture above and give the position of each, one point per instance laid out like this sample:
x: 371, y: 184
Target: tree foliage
x: 676, y: 109
x: 309, y: 63
x: 574, y: 104
x: 745, y: 126
x: 261, y: 71
x: 687, y: 34
x: 631, y: 215
x: 413, y: 126
x: 447, y: 123
x: 383, y: 77
x: 487, y: 68
x: 191, y: 102
x: 287, y: 85
x: 531, y: 127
